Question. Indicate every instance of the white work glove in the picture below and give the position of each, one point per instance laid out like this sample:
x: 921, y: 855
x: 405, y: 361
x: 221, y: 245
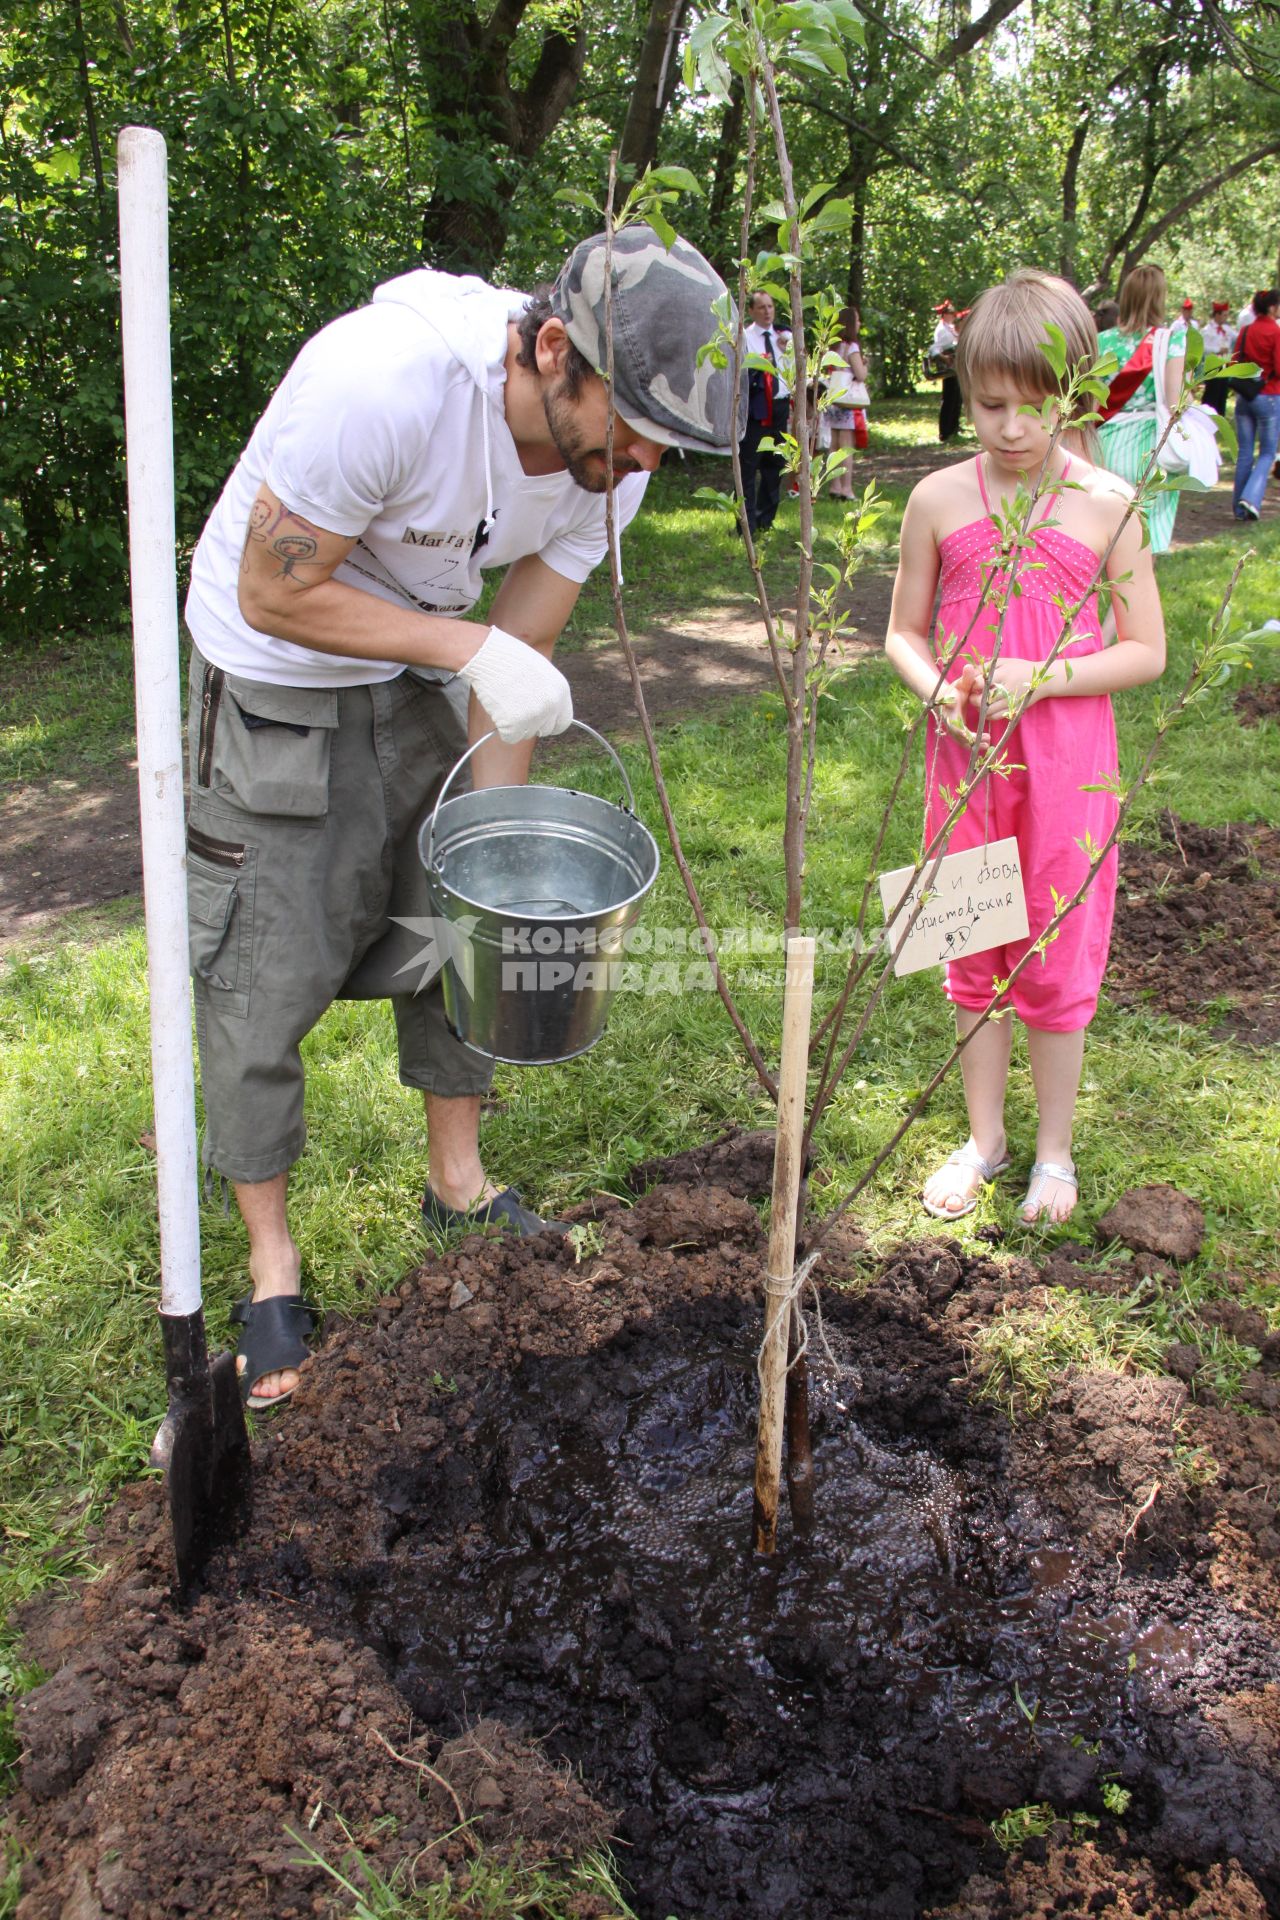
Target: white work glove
x: 522, y: 693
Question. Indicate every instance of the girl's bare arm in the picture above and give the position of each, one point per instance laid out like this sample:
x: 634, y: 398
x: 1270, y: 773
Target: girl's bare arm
x: 907, y: 641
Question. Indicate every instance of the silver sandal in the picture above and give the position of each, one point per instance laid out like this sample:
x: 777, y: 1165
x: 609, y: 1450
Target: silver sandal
x: 972, y: 1160
x: 1041, y: 1173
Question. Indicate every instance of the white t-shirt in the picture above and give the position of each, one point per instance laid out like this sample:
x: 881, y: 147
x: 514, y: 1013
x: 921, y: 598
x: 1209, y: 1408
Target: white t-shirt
x: 944, y: 338
x: 389, y: 428
x: 1216, y: 337
x: 1245, y: 317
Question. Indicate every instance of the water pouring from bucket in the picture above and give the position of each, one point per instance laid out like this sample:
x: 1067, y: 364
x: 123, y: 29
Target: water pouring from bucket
x: 538, y: 888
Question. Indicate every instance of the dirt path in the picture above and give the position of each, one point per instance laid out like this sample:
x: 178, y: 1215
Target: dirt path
x: 73, y: 843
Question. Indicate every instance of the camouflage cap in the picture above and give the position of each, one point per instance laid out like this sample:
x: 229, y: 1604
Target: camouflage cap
x: 662, y: 314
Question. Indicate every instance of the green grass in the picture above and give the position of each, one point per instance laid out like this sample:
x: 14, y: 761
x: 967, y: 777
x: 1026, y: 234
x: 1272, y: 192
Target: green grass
x: 81, y: 1378
x: 1020, y: 1356
x: 67, y: 712
x: 487, y: 1888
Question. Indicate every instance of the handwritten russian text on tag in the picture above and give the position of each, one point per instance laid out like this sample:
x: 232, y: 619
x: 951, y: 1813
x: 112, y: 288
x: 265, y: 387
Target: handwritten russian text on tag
x: 975, y: 901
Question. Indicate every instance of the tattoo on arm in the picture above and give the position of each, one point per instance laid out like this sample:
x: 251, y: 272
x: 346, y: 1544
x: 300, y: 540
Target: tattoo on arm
x: 259, y: 514
x: 293, y: 550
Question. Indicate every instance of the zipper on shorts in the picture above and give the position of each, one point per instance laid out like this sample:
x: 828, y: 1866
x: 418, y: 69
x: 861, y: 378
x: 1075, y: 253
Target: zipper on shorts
x: 221, y: 853
x: 210, y: 701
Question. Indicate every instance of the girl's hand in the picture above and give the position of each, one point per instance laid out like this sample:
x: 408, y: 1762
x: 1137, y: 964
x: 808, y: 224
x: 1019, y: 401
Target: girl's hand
x: 1011, y: 688
x: 951, y: 702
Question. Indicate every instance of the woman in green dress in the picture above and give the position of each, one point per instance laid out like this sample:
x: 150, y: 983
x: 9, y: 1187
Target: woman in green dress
x: 1129, y: 437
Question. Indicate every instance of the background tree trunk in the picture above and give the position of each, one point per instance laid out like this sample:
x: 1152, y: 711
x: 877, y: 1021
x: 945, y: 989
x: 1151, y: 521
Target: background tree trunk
x: 657, y: 74
x: 484, y: 122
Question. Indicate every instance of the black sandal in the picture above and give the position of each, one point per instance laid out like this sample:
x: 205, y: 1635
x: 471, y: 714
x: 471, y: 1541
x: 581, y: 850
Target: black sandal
x: 276, y: 1332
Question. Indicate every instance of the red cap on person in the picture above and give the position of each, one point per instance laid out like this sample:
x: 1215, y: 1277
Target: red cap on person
x: 1188, y: 306
x: 1222, y: 306
x: 945, y: 306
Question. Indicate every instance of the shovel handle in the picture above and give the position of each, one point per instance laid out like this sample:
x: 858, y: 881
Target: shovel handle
x: 144, y: 302
x: 429, y: 858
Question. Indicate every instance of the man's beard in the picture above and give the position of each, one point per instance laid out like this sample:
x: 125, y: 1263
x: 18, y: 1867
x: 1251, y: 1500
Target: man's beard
x: 585, y: 465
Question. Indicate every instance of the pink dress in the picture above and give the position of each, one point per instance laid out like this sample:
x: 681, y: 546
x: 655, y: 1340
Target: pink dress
x: 1066, y: 745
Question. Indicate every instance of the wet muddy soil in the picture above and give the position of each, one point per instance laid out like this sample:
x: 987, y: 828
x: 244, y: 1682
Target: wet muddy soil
x: 1197, y: 928
x: 499, y: 1571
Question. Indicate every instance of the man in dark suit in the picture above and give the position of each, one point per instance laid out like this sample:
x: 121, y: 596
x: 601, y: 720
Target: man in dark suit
x: 768, y: 411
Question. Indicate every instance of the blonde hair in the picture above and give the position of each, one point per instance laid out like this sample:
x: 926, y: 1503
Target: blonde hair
x: 1006, y: 334
x: 1144, y: 295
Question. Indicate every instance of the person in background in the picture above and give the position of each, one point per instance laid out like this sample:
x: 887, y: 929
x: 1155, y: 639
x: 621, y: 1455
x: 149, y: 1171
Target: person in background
x: 768, y: 413
x: 942, y: 358
x: 1106, y: 314
x: 1246, y: 314
x: 1054, y: 799
x: 1257, y: 412
x: 1188, y: 312
x: 1218, y: 338
x: 1128, y: 434
x: 846, y: 387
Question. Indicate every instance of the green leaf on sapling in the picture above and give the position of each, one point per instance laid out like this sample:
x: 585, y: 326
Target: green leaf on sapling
x: 679, y: 177
x: 576, y: 197
x: 815, y: 194
x: 848, y: 21
x: 1054, y: 349
x: 833, y: 218
x: 801, y: 57
x: 663, y: 228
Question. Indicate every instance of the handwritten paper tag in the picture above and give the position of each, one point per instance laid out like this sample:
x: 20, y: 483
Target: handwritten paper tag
x: 975, y: 901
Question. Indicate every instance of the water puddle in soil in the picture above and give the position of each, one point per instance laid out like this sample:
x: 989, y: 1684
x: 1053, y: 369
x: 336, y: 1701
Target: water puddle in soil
x: 818, y: 1731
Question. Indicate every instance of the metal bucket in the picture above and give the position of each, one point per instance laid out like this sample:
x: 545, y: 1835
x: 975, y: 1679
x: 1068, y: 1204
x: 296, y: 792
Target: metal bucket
x: 538, y: 887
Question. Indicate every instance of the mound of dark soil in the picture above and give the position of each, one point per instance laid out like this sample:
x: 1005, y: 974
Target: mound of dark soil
x: 499, y: 1570
x: 1197, y: 928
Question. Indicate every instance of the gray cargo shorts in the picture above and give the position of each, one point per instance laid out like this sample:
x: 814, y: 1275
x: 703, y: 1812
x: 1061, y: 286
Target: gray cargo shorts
x: 302, y: 827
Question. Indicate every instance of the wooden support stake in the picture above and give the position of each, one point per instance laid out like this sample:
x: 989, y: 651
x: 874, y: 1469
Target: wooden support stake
x: 797, y: 1006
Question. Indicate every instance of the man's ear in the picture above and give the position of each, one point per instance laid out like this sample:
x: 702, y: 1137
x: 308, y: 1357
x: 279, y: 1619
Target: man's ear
x: 551, y: 349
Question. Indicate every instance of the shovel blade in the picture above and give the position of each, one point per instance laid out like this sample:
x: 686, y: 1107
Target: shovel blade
x: 204, y: 1447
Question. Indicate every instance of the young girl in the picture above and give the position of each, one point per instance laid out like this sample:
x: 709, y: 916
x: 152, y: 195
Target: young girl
x: 1065, y: 740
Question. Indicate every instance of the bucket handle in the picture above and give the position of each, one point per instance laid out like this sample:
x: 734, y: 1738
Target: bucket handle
x: 430, y: 856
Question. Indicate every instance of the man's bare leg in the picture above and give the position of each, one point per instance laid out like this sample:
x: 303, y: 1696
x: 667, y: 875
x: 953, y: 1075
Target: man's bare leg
x: 453, y: 1151
x: 275, y: 1265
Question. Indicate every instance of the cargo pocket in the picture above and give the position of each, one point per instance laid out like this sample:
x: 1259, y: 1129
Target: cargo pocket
x: 220, y: 925
x: 266, y: 749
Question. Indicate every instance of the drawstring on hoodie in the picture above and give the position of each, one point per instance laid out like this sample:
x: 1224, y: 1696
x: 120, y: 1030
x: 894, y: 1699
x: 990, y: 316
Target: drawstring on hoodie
x: 486, y: 525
